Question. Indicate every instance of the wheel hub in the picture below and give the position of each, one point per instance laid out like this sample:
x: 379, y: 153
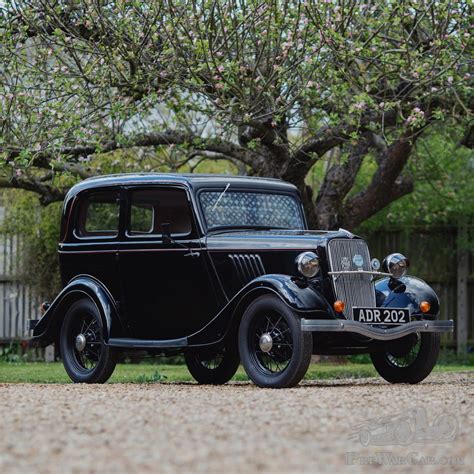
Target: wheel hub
x: 80, y: 342
x: 266, y: 342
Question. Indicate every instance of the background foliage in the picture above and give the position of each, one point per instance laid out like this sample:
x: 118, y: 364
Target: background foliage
x: 270, y: 86
x: 365, y: 106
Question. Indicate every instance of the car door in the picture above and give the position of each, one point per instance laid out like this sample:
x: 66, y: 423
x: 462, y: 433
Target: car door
x: 92, y: 248
x: 166, y: 288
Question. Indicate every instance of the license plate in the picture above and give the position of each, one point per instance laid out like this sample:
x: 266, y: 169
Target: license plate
x: 382, y: 315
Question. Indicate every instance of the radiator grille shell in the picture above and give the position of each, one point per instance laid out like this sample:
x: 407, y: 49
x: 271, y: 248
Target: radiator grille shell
x: 355, y: 290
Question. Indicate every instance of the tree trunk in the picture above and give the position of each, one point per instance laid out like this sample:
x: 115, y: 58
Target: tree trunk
x: 387, y: 185
x: 339, y: 180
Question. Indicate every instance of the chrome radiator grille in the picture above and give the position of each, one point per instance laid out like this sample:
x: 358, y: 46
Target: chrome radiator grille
x: 355, y: 290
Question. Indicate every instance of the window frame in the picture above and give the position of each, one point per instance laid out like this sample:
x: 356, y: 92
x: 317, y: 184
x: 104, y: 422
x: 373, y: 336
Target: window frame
x: 151, y: 236
x: 83, y: 197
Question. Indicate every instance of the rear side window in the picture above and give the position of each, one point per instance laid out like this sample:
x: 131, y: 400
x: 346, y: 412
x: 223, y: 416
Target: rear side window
x: 99, y: 215
x: 150, y: 208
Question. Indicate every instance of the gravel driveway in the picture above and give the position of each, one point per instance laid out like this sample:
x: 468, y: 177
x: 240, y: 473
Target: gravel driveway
x: 236, y: 427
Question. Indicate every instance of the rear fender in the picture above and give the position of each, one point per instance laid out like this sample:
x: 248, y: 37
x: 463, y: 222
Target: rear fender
x: 48, y: 327
x: 304, y: 300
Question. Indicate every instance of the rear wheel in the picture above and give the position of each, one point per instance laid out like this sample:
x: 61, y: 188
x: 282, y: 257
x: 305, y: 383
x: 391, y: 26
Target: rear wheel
x: 85, y: 356
x: 215, y: 366
x: 274, y: 351
x: 412, y: 363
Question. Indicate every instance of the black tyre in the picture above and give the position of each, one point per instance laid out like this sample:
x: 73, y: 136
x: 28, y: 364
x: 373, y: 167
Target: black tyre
x: 274, y: 351
x: 85, y: 356
x: 213, y: 366
x: 411, y: 364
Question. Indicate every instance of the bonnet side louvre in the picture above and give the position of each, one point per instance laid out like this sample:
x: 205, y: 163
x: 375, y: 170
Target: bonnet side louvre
x: 247, y: 266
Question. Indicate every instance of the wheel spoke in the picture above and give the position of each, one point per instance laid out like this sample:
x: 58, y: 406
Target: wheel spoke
x: 277, y: 359
x: 87, y: 358
x: 268, y: 324
x: 211, y: 361
x: 276, y: 324
x: 408, y: 359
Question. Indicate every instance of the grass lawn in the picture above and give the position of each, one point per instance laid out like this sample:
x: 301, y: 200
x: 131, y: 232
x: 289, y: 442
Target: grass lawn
x: 40, y: 372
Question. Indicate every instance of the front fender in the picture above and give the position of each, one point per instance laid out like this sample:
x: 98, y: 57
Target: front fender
x: 406, y: 292
x: 299, y: 298
x: 302, y: 299
x: 48, y: 327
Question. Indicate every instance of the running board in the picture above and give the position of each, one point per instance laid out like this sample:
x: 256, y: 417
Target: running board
x: 147, y: 343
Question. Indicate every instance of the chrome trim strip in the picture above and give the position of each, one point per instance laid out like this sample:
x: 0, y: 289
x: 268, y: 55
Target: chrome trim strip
x: 358, y: 272
x: 381, y: 334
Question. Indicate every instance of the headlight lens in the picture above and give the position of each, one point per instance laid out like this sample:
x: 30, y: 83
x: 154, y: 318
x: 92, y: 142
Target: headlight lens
x: 396, y: 264
x: 307, y: 264
x: 375, y: 264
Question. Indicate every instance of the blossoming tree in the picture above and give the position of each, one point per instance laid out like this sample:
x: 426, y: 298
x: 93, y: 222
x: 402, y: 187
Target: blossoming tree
x: 274, y: 87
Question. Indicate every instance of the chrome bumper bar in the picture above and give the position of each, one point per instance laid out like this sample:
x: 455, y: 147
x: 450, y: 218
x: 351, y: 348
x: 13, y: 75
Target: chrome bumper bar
x: 374, y: 332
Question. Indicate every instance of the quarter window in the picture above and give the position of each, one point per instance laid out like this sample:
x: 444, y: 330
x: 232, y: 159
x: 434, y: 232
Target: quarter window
x: 99, y: 215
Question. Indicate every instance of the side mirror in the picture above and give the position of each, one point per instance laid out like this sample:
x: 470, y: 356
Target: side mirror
x: 166, y: 233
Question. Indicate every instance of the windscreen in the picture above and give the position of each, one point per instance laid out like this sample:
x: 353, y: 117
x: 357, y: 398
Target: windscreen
x: 239, y: 209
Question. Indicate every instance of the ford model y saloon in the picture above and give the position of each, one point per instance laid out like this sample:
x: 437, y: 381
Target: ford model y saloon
x: 223, y: 270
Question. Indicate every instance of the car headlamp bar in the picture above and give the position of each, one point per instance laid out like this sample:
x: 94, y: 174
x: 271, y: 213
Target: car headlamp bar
x: 358, y: 272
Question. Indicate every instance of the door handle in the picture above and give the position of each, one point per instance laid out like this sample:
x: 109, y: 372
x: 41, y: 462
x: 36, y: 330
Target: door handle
x: 192, y: 254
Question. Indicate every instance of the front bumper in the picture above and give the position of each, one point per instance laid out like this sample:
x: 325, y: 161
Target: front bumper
x: 379, y: 333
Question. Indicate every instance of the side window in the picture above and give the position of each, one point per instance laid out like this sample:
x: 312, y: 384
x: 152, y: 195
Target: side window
x: 99, y: 215
x: 150, y: 208
x: 141, y: 218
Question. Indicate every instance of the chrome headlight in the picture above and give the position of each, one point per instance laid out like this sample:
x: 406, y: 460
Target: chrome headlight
x: 307, y: 264
x: 396, y: 264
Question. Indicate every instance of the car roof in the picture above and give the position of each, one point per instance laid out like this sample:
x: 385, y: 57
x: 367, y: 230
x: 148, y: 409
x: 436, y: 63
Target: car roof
x: 192, y: 181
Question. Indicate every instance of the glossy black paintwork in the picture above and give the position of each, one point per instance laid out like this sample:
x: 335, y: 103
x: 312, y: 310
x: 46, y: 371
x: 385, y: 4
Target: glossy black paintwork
x: 277, y: 250
x: 406, y: 292
x: 166, y: 291
x: 47, y: 329
x: 193, y: 290
x: 303, y: 299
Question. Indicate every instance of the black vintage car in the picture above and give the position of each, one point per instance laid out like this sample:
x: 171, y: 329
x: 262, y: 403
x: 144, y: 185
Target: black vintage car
x: 224, y: 270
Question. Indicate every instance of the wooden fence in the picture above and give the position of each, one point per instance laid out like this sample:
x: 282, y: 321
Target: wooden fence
x: 17, y: 302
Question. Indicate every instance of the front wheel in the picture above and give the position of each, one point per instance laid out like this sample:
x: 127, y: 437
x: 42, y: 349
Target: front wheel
x: 410, y: 364
x: 85, y: 356
x: 213, y: 366
x: 274, y: 351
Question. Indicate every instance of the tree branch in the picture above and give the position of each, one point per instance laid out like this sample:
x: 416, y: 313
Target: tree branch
x: 47, y: 193
x: 386, y: 186
x: 328, y: 138
x: 307, y: 154
x: 223, y: 147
